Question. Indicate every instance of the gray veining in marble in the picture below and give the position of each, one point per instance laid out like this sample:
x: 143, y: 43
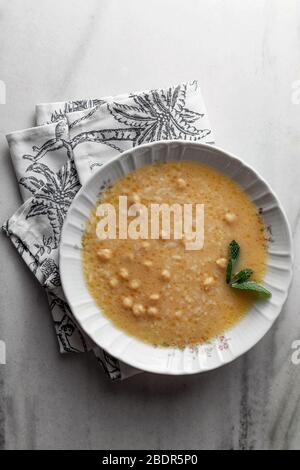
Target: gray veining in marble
x: 246, y: 56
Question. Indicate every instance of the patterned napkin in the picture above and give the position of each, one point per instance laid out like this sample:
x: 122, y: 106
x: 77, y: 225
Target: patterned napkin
x: 52, y: 160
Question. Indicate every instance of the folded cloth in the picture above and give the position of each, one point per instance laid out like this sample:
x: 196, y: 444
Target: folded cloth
x: 114, y: 125
x: 48, y: 182
x: 51, y: 159
x: 47, y: 113
x: 37, y: 145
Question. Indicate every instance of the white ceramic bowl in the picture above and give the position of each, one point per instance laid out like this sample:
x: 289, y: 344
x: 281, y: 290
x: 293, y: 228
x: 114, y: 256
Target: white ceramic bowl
x: 237, y: 340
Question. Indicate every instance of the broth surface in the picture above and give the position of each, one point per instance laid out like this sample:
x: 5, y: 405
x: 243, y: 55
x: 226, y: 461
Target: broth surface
x: 158, y: 291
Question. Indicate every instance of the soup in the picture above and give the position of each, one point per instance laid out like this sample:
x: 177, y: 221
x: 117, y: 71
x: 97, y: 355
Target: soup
x: 156, y: 289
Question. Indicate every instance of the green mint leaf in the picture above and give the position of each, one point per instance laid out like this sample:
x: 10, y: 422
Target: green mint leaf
x: 233, y: 253
x: 252, y: 286
x: 242, y: 276
x: 229, y: 270
x: 234, y: 249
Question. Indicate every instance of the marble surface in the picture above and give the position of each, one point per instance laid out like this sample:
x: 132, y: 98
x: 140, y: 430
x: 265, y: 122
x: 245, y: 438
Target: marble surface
x: 246, y: 56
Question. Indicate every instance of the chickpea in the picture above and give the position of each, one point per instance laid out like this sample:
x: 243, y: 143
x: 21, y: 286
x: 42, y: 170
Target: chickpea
x: 105, y: 254
x: 208, y: 282
x: 181, y: 183
x: 166, y: 275
x: 154, y: 297
x: 145, y: 244
x: 147, y: 263
x: 134, y: 284
x: 152, y: 311
x: 138, y: 309
x: 134, y: 198
x: 124, y: 274
x: 127, y: 302
x: 222, y: 263
x: 113, y: 282
x: 230, y: 217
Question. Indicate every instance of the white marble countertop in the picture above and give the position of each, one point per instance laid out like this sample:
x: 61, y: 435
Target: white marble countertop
x: 246, y: 57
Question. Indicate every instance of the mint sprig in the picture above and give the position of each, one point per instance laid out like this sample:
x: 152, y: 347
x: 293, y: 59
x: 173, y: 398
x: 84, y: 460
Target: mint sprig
x: 252, y: 286
x: 241, y: 279
x: 233, y: 254
x: 242, y: 276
